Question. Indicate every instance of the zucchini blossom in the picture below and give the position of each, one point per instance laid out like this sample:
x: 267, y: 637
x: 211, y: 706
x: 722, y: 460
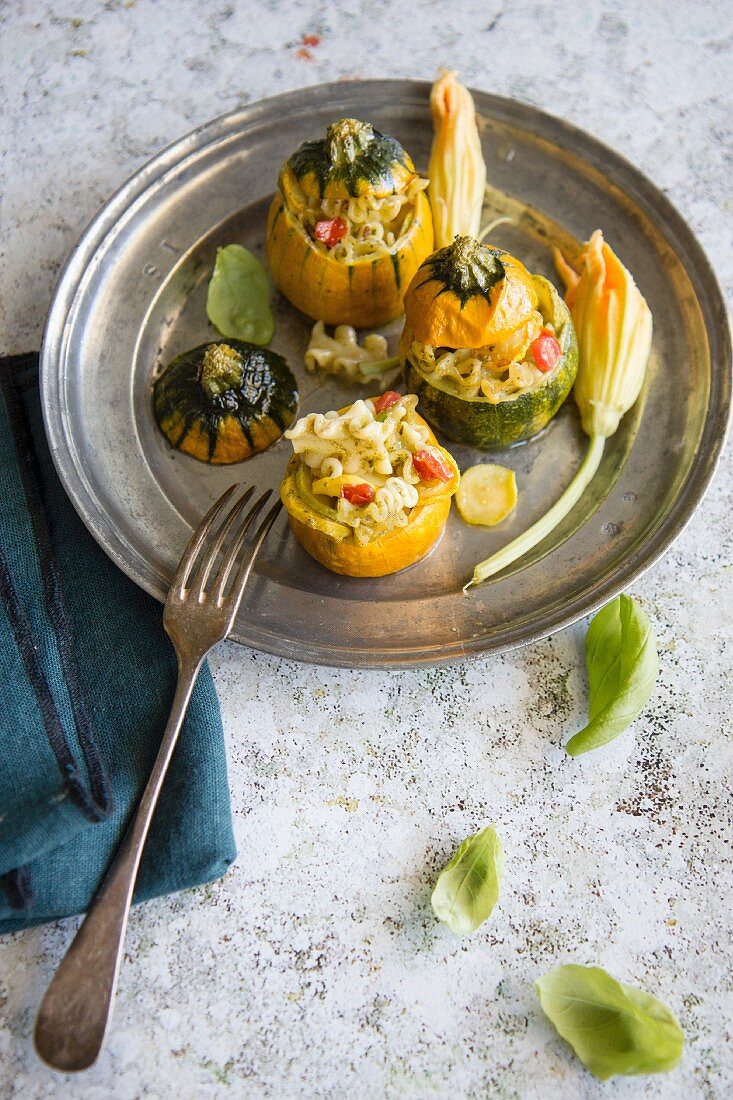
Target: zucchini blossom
x: 614, y: 328
x: 457, y: 170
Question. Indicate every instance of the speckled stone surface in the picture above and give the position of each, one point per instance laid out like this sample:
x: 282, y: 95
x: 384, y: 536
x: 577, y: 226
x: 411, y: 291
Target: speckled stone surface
x: 316, y: 968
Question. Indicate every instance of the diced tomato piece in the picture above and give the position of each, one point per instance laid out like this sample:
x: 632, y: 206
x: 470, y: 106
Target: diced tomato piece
x: 431, y: 467
x: 358, y: 494
x: 546, y: 351
x: 386, y: 401
x: 330, y: 231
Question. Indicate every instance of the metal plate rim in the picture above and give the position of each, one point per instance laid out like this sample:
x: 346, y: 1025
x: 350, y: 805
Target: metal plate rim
x: 699, y: 476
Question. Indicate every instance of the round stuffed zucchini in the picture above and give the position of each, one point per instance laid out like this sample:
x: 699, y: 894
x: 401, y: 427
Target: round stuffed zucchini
x: 222, y: 403
x: 368, y: 489
x: 489, y: 349
x: 349, y: 226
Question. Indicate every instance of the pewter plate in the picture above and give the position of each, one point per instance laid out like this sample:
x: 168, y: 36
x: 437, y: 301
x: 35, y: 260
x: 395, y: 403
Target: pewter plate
x: 132, y: 296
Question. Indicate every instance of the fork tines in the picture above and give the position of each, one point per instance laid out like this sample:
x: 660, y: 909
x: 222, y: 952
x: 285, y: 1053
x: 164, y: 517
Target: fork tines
x: 215, y: 548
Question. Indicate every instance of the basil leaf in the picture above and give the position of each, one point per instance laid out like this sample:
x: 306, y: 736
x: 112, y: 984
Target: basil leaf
x: 468, y: 887
x: 237, y: 301
x: 621, y: 655
x: 613, y: 1028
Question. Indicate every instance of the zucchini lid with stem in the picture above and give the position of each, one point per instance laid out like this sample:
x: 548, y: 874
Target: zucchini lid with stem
x: 223, y: 402
x: 352, y: 160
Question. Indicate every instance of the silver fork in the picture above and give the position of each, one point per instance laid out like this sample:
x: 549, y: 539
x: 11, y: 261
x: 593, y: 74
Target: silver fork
x: 199, y: 612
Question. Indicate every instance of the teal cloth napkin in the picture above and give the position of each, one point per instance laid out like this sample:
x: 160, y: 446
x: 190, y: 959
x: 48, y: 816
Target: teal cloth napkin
x: 86, y: 681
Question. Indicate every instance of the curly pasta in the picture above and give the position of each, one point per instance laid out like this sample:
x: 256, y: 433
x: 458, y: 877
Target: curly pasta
x: 390, y: 508
x: 375, y: 225
x: 378, y: 451
x: 496, y: 372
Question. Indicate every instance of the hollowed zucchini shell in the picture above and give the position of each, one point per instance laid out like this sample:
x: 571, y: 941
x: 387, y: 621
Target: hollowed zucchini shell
x: 224, y: 424
x: 488, y: 425
x: 364, y: 294
x: 352, y: 161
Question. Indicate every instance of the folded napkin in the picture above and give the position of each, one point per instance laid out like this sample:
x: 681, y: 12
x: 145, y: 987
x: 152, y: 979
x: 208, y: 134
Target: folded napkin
x: 86, y: 681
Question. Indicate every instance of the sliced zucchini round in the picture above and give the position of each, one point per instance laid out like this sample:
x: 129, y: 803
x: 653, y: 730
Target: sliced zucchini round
x: 486, y: 494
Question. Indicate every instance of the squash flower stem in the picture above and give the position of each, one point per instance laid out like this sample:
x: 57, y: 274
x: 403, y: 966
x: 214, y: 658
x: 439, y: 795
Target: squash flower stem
x: 539, y: 530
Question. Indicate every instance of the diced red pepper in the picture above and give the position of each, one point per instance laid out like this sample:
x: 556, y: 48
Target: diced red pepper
x: 546, y: 351
x: 431, y: 467
x: 358, y: 494
x: 386, y: 401
x: 330, y: 231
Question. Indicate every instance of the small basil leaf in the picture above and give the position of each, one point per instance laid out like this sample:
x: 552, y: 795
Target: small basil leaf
x: 613, y: 1028
x: 237, y: 301
x: 468, y: 887
x: 622, y: 660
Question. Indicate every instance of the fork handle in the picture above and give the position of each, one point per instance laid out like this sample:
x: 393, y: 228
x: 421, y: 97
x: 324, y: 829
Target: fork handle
x: 76, y: 1009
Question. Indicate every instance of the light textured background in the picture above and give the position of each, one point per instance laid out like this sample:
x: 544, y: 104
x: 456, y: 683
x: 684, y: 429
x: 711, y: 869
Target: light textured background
x: 315, y: 968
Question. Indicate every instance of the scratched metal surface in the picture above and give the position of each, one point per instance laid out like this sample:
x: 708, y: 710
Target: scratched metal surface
x: 132, y: 296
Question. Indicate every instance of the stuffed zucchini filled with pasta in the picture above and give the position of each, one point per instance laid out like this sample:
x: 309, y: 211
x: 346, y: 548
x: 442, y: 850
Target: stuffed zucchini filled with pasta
x: 349, y: 226
x: 489, y: 349
x: 368, y: 489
